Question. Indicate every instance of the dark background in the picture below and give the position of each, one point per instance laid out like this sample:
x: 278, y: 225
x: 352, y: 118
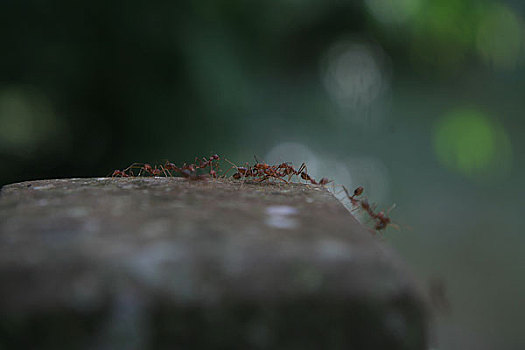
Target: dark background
x: 419, y: 101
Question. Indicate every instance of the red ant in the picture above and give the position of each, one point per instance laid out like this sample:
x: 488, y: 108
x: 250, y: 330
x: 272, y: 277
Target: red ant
x: 153, y: 171
x: 206, y: 162
x: 241, y: 171
x: 119, y: 173
x: 287, y: 170
x: 126, y: 172
x: 170, y: 166
x: 304, y: 174
x: 357, y: 192
x: 381, y: 219
x: 209, y: 163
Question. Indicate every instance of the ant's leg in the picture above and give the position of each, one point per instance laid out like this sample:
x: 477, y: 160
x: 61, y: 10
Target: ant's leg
x: 392, y: 207
x: 217, y: 170
x: 273, y: 173
x: 214, y: 166
x: 346, y: 191
x: 134, y: 166
x: 395, y: 226
x: 266, y: 177
x: 280, y: 178
x: 232, y: 166
x: 165, y: 171
x: 169, y: 172
x: 227, y: 171
x: 213, y: 171
x: 303, y: 169
x: 300, y: 170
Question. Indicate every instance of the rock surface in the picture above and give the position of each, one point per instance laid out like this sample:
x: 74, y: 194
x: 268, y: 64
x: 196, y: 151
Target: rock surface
x: 134, y: 263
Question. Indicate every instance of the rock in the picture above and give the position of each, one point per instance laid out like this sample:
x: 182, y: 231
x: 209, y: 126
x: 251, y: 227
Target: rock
x: 134, y: 263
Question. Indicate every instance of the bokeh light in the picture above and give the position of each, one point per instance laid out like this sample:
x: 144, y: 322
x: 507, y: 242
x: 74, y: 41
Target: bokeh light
x: 354, y: 73
x: 393, y: 11
x: 471, y: 143
x: 500, y: 37
x: 442, y: 34
x: 28, y: 123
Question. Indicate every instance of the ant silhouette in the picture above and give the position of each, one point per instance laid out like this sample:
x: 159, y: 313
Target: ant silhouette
x: 381, y: 219
x: 260, y: 171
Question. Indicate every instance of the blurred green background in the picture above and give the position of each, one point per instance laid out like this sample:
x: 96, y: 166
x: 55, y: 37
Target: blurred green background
x: 419, y: 101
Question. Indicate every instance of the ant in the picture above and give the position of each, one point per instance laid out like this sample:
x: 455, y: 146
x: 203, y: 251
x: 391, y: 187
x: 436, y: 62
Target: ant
x: 190, y: 170
x: 263, y: 170
x: 382, y: 221
x: 287, y: 170
x: 278, y: 172
x: 241, y: 171
x: 119, y: 173
x: 170, y: 166
x: 357, y: 192
x: 303, y: 172
x: 206, y: 162
x: 153, y: 171
x: 209, y: 162
x: 307, y: 177
x: 126, y: 172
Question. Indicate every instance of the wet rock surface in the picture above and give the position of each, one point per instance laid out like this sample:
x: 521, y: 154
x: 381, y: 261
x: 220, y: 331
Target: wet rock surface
x: 122, y: 263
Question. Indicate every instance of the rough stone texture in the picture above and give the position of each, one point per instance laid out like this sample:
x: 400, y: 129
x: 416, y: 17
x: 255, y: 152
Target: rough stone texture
x: 122, y: 263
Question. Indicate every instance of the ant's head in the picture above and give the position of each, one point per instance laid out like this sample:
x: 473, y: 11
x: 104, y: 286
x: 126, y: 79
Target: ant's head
x: 358, y: 191
x: 215, y: 157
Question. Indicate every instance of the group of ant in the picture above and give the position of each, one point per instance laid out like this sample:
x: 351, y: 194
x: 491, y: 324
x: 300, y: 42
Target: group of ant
x: 189, y: 171
x: 259, y: 172
x: 262, y: 172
